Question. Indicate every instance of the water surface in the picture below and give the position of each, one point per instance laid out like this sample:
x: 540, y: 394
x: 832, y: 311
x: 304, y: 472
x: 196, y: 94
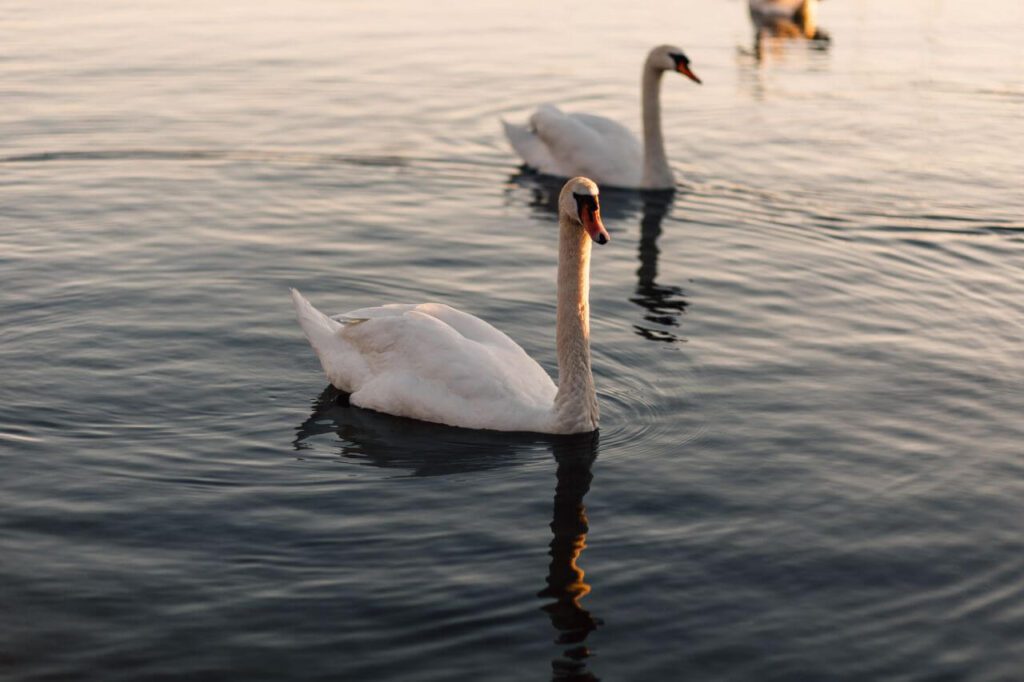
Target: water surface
x: 808, y: 356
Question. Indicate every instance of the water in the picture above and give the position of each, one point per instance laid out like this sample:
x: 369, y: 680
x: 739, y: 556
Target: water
x: 808, y: 357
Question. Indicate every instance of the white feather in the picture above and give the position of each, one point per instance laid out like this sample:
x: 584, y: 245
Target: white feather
x: 430, y: 362
x: 588, y: 145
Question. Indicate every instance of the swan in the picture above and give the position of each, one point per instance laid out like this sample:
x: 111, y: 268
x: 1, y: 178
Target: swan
x: 787, y: 18
x: 432, y: 362
x: 564, y: 145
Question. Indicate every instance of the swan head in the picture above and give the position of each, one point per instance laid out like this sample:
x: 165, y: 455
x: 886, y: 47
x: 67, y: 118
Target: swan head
x: 580, y: 203
x: 671, y: 58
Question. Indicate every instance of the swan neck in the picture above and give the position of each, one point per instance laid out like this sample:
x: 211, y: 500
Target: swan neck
x: 657, y: 174
x: 576, y: 401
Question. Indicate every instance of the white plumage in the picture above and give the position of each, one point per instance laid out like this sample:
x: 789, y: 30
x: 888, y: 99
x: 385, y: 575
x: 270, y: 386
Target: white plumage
x: 435, y: 363
x: 563, y: 145
x: 430, y: 362
x: 567, y: 144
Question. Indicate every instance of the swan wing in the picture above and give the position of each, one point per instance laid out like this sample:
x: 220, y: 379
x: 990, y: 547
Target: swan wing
x: 435, y: 363
x: 589, y: 145
x: 469, y: 326
x: 530, y: 148
x: 611, y: 131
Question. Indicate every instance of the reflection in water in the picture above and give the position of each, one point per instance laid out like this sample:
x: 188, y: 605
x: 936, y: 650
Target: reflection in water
x: 415, y: 447
x: 565, y: 584
x: 616, y: 203
x: 543, y: 190
x: 426, y: 449
x: 776, y: 21
x: 663, y: 303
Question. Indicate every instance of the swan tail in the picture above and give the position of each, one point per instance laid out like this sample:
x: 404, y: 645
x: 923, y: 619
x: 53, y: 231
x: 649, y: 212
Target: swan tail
x: 335, y: 354
x: 530, y: 148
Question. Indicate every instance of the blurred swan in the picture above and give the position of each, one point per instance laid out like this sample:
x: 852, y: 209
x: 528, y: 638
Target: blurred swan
x: 435, y: 363
x: 786, y: 19
x: 564, y: 145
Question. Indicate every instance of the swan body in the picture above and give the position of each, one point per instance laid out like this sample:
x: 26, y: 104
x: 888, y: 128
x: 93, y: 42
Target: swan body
x: 432, y: 362
x: 563, y: 145
x: 559, y: 144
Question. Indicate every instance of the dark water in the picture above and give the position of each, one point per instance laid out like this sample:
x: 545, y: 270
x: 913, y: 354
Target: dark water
x: 809, y: 357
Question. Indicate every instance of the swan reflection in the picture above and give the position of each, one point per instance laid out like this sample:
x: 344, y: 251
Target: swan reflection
x: 565, y: 580
x: 662, y: 303
x: 410, y: 446
x: 426, y: 449
x: 616, y: 203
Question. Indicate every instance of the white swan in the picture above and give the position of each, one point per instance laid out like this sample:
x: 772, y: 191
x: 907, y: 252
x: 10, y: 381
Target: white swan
x: 435, y: 363
x: 564, y: 145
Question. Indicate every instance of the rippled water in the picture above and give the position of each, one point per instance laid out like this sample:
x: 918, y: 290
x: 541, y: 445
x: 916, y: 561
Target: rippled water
x: 808, y: 357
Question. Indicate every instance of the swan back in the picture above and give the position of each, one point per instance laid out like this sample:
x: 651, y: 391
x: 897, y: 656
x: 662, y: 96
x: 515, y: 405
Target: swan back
x: 430, y: 362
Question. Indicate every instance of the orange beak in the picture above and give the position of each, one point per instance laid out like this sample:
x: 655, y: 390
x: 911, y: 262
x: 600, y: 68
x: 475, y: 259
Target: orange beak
x: 685, y: 70
x: 591, y: 218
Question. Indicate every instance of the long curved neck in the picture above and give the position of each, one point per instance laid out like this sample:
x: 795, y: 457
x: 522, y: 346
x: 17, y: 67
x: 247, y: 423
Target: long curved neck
x: 576, y: 401
x: 657, y: 174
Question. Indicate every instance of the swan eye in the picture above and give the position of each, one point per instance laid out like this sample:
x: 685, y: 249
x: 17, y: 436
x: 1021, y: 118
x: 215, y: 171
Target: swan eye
x: 679, y: 58
x: 585, y: 203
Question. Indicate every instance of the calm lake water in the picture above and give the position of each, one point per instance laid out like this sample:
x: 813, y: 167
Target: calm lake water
x: 809, y: 358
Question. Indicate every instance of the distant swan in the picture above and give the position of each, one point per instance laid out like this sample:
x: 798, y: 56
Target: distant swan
x: 787, y: 18
x: 435, y: 363
x: 584, y: 144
